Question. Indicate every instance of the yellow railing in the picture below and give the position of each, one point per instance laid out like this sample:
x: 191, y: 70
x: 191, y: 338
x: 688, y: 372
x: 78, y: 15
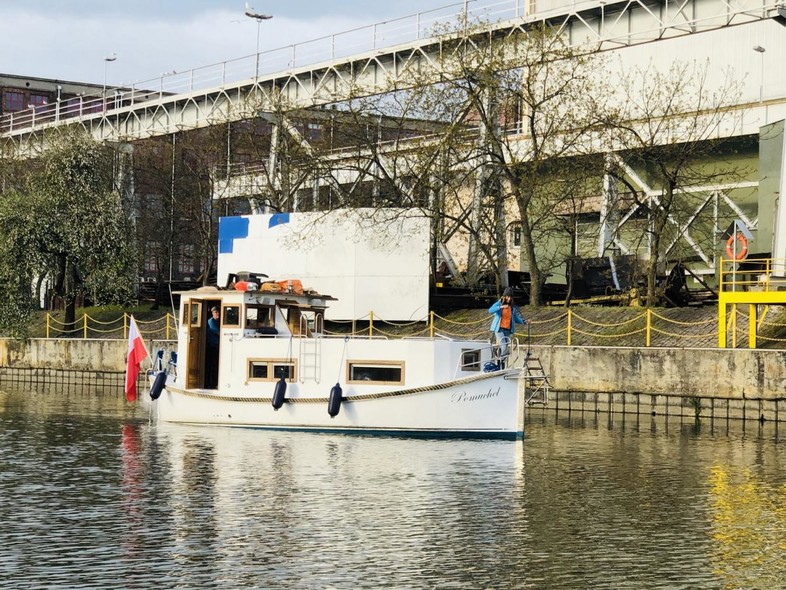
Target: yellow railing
x: 87, y: 327
x: 570, y: 328
x: 753, y: 274
x: 755, y: 283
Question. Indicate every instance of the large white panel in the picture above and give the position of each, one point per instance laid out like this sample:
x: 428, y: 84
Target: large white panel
x: 372, y: 261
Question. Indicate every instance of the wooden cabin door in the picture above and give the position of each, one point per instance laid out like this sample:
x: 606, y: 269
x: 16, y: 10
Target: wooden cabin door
x: 195, y: 363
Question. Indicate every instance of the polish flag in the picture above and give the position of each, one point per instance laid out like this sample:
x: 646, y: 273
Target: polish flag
x: 137, y: 352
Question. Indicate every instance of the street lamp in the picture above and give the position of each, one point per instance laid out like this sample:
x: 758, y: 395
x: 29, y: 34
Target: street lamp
x: 259, y: 17
x: 107, y: 59
x: 57, y: 103
x: 760, y: 50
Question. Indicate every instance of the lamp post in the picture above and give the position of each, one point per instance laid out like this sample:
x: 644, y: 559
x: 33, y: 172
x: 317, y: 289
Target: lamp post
x: 107, y: 59
x: 57, y: 103
x: 259, y: 17
x: 761, y: 50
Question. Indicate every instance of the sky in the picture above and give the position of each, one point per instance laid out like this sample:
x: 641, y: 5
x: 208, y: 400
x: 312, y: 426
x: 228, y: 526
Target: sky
x: 70, y: 39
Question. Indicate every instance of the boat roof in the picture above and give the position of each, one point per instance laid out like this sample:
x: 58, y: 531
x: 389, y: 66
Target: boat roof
x: 304, y: 299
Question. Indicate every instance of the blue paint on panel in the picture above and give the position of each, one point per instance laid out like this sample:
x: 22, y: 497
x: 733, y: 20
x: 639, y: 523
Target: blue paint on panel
x: 278, y: 219
x: 229, y: 230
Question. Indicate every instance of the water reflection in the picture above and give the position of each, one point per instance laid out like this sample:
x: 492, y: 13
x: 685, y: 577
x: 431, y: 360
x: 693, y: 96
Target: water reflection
x: 93, y: 495
x: 749, y: 521
x: 334, y: 504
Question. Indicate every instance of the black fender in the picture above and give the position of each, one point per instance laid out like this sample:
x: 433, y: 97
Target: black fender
x: 279, y: 393
x: 334, y: 402
x: 158, y: 385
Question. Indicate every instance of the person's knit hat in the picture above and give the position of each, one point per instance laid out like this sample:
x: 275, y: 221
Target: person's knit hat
x: 508, y: 292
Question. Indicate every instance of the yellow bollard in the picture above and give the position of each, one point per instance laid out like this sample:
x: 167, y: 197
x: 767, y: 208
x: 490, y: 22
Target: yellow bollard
x: 431, y: 322
x: 48, y: 317
x: 649, y: 327
x: 84, y: 325
x: 371, y: 324
x: 570, y: 325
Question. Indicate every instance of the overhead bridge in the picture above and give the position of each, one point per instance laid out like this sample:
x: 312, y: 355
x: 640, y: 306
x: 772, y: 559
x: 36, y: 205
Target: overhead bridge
x: 369, y: 60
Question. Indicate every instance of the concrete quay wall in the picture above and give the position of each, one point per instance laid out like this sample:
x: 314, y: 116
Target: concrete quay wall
x: 67, y: 363
x: 77, y: 354
x: 689, y: 382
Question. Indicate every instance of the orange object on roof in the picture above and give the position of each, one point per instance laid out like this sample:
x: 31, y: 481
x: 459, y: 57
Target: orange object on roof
x: 291, y: 286
x: 270, y: 287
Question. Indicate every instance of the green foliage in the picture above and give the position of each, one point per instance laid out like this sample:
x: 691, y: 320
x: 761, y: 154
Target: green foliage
x: 64, y: 224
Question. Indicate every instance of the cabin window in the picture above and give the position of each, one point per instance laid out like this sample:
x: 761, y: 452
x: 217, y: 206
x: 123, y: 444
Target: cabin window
x: 231, y: 316
x: 259, y: 316
x: 470, y: 360
x: 195, y: 314
x: 286, y: 370
x: 390, y: 373
x: 257, y: 370
x: 271, y: 370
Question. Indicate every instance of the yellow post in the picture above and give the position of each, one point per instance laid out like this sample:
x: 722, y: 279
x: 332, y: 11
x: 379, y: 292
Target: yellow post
x: 371, y: 324
x: 734, y: 325
x: 570, y: 325
x: 84, y: 324
x: 166, y: 331
x: 48, y: 317
x: 721, y: 323
x: 125, y: 326
x: 431, y: 322
x: 649, y: 326
x: 752, y: 313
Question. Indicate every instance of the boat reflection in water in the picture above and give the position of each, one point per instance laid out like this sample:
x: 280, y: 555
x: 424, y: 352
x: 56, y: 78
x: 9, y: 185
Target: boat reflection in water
x: 285, y: 497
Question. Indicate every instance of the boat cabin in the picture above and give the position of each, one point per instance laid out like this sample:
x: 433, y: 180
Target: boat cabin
x: 245, y: 314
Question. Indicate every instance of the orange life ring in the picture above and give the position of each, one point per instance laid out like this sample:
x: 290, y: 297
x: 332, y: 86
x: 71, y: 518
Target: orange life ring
x: 741, y: 249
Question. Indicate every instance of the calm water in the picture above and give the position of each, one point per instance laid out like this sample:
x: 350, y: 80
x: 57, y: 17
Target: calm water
x: 93, y: 496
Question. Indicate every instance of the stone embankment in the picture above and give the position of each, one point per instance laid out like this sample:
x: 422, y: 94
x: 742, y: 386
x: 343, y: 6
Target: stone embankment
x: 682, y: 372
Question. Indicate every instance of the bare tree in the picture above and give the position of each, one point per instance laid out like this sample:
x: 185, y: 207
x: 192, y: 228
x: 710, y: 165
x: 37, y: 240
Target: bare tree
x: 469, y: 139
x: 673, y: 127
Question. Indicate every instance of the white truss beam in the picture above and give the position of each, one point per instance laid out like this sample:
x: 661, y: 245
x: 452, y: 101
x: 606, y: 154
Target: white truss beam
x: 232, y: 91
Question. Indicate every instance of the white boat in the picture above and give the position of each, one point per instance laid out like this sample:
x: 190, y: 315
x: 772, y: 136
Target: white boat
x: 279, y: 369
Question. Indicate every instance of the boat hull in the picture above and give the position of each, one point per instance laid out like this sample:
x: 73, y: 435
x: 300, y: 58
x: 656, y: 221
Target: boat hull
x: 488, y: 406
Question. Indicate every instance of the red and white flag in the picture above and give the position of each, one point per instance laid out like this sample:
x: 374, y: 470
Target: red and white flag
x: 137, y: 352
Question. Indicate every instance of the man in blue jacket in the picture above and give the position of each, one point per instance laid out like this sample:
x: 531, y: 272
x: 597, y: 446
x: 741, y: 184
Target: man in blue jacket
x: 503, y: 322
x: 211, y: 351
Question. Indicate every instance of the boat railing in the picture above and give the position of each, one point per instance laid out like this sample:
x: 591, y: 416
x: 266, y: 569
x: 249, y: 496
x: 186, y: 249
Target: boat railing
x: 471, y: 359
x: 313, y: 327
x: 356, y: 336
x: 159, y: 364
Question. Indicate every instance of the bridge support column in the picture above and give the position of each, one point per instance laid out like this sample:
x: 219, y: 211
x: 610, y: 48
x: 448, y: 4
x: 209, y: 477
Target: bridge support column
x: 124, y: 179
